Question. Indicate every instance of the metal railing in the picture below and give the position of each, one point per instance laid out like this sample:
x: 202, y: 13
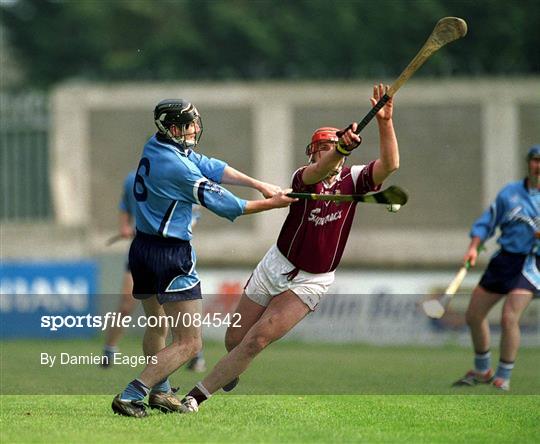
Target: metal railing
x: 24, y: 157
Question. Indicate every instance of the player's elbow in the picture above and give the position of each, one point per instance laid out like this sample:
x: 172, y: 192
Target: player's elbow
x: 391, y: 167
x: 386, y: 166
x: 384, y: 169
x: 230, y: 216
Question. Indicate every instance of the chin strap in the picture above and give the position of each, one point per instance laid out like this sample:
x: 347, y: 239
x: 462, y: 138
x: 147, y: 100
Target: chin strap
x: 333, y: 173
x: 187, y: 145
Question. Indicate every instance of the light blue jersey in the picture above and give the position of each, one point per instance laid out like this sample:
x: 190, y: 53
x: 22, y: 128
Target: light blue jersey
x: 170, y: 180
x: 516, y: 210
x: 128, y: 204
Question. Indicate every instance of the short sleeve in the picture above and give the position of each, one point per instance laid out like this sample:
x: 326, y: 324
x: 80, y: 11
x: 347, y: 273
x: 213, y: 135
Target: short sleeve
x: 211, y: 168
x: 298, y: 184
x: 190, y: 185
x: 363, y: 178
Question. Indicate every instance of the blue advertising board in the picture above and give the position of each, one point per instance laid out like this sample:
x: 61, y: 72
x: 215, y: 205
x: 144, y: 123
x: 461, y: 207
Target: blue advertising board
x: 32, y: 292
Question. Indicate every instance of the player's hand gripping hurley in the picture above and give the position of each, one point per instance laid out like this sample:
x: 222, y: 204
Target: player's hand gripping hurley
x: 435, y: 308
x: 446, y: 30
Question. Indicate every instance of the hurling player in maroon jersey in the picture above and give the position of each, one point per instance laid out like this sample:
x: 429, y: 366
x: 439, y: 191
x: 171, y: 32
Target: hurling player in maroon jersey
x: 290, y: 280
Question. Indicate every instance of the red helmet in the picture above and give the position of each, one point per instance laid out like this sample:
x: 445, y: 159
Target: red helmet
x: 321, y: 135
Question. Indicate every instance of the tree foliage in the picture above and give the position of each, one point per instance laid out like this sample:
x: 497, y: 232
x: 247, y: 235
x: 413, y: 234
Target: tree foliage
x: 263, y: 39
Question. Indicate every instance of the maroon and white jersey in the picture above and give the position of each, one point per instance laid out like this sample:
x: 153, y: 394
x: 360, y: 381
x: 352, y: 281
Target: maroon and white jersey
x: 315, y: 232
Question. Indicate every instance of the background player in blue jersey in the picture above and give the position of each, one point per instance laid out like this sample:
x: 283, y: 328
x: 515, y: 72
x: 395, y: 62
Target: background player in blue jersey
x: 512, y: 273
x: 126, y: 229
x: 171, y: 177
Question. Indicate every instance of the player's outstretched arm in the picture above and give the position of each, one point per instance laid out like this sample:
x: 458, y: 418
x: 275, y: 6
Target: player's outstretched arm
x: 279, y: 200
x: 388, y: 160
x: 232, y: 176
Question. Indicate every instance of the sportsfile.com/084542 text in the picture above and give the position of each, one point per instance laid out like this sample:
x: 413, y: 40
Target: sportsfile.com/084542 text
x: 114, y: 319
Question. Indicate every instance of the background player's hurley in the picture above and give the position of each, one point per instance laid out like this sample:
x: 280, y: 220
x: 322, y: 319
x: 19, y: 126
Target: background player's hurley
x: 113, y: 239
x: 435, y: 308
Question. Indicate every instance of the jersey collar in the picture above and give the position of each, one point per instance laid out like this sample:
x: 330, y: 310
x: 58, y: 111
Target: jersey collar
x: 165, y: 140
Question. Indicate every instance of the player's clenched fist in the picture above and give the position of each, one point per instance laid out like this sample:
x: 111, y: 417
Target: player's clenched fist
x: 281, y: 200
x: 267, y: 189
x: 348, y: 139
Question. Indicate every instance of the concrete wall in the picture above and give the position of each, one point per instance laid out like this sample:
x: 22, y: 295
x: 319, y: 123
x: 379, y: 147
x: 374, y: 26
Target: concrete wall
x: 460, y: 141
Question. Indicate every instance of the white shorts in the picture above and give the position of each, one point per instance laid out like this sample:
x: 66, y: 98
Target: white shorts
x: 270, y: 279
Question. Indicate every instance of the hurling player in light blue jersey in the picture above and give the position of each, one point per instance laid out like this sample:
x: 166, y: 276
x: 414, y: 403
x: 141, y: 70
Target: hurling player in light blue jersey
x: 170, y: 178
x: 512, y: 273
x: 126, y: 230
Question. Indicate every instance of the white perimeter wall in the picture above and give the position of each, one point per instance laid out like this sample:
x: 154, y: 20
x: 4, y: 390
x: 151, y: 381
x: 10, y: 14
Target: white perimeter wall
x: 272, y: 107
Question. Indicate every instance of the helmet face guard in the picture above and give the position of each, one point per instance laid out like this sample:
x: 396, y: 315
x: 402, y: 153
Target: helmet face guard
x: 184, y: 116
x: 323, y: 139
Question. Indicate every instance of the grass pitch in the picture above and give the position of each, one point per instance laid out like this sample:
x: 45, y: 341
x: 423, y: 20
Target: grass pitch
x: 280, y: 418
x: 293, y: 393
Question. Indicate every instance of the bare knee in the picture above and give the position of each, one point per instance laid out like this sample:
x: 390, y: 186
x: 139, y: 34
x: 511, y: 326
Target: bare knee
x: 124, y: 311
x: 475, y: 314
x: 157, y: 332
x: 509, y: 320
x: 473, y: 318
x: 126, y: 308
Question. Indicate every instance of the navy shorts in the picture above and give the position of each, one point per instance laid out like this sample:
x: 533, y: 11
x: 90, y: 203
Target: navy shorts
x: 506, y: 272
x: 164, y: 267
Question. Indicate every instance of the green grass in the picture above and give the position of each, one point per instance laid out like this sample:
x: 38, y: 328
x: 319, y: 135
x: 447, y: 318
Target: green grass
x: 284, y: 368
x: 293, y: 392
x: 280, y: 418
